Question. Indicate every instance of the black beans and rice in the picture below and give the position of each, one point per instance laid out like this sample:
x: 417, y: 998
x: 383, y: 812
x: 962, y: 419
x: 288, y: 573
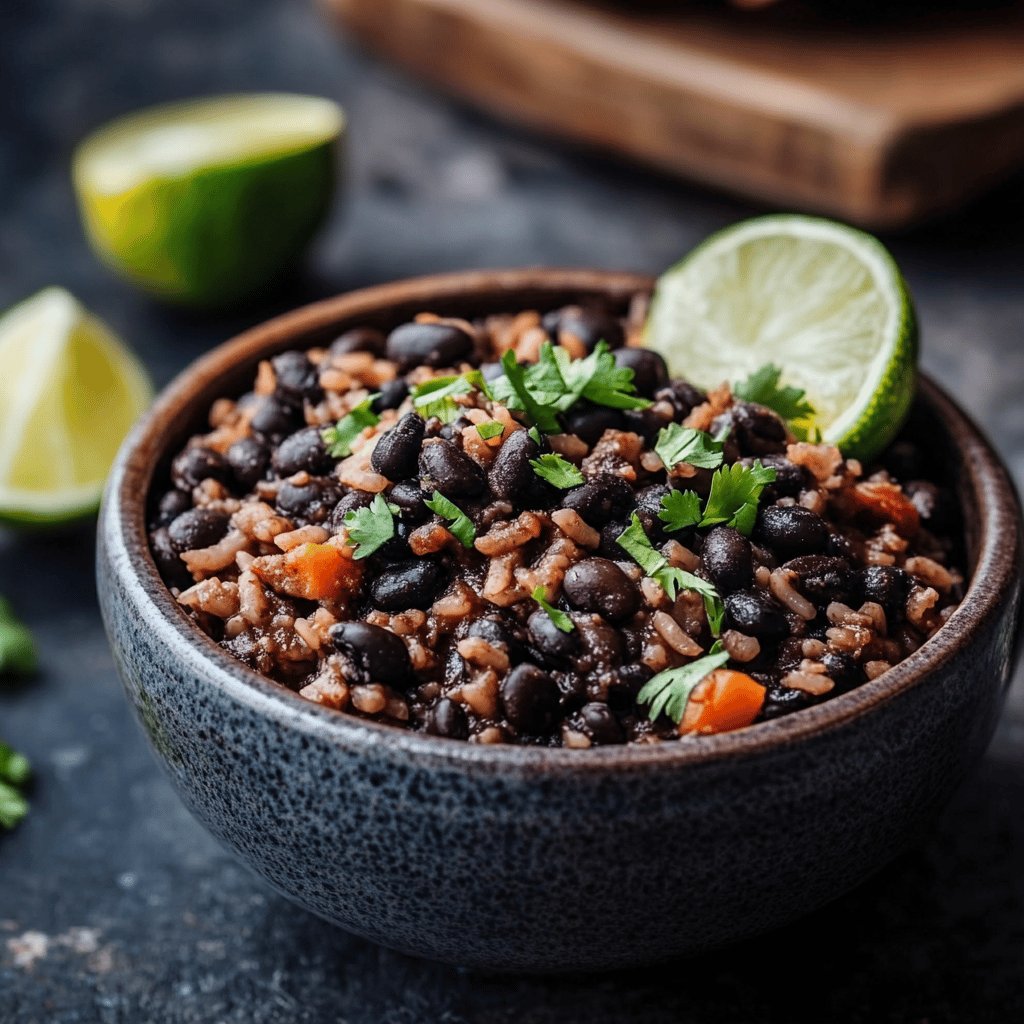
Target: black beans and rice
x: 521, y: 530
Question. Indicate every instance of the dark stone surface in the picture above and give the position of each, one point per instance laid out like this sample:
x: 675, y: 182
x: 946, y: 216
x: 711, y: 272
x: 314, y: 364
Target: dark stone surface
x: 142, y: 917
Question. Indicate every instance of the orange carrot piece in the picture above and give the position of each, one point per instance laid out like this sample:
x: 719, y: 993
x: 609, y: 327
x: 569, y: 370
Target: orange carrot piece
x: 316, y: 572
x: 723, y: 701
x: 886, y: 503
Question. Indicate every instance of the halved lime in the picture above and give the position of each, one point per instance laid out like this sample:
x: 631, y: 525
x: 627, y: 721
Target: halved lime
x: 821, y: 300
x: 69, y: 391
x: 205, y: 202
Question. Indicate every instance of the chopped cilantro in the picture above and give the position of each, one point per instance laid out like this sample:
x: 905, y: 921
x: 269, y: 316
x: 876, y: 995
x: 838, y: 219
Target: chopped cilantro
x: 558, y: 471
x: 559, y: 618
x: 556, y: 382
x: 492, y: 428
x: 14, y: 774
x: 669, y: 692
x: 762, y: 387
x: 677, y: 444
x: 437, y: 397
x: 459, y: 524
x: 339, y: 438
x: 735, y: 492
x: 17, y: 648
x: 680, y: 509
x: 371, y: 527
x: 637, y: 544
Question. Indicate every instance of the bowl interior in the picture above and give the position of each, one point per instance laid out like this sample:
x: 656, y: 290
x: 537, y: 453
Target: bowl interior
x: 959, y: 456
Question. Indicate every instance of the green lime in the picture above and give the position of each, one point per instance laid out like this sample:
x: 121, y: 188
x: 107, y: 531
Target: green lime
x: 69, y: 392
x: 207, y: 201
x: 821, y: 300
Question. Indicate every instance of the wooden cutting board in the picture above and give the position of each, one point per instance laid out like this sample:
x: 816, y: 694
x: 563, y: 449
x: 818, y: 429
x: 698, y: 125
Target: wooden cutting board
x: 883, y: 125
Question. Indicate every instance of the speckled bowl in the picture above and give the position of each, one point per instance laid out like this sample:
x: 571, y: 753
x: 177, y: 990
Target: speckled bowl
x: 534, y: 859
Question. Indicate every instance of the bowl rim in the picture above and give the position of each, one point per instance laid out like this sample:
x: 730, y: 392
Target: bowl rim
x: 123, y: 535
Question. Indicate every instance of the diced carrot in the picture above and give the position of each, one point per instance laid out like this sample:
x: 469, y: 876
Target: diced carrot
x: 724, y: 700
x: 316, y: 572
x: 886, y: 503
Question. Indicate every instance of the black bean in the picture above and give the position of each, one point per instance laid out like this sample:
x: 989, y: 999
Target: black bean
x: 375, y: 654
x: 530, y: 699
x: 430, y: 344
x: 600, y: 499
x: 791, y: 530
x: 492, y: 371
x: 171, y: 505
x: 601, y: 644
x: 511, y: 474
x: 360, y: 339
x: 646, y: 422
x: 781, y: 700
x: 248, y: 460
x: 842, y: 669
x: 312, y: 501
x: 303, y: 450
x: 648, y: 505
x: 727, y: 559
x: 682, y: 396
x: 755, y: 429
x: 626, y: 682
x: 406, y: 585
x: 348, y: 502
x: 904, y: 460
x: 588, y: 422
x: 609, y: 546
x: 823, y: 579
x: 409, y: 498
x: 453, y: 431
x: 198, y: 528
x: 391, y: 395
x: 888, y: 586
x: 275, y: 419
x: 601, y: 725
x: 445, y: 468
x: 840, y: 546
x: 756, y: 615
x: 447, y: 718
x: 397, y: 451
x: 554, y: 645
x: 297, y: 378
x: 499, y: 632
x: 934, y: 504
x: 196, y: 464
x: 790, y: 479
x: 599, y: 585
x: 586, y: 324
x: 168, y: 560
x: 649, y: 370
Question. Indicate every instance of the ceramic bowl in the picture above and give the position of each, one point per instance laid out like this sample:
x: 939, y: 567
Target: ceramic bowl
x: 517, y: 858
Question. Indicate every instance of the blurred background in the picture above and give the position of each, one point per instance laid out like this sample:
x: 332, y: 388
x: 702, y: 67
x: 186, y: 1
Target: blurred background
x: 114, y: 905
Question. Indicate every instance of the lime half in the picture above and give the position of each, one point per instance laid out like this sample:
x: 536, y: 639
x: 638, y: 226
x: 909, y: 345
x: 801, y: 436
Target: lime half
x: 205, y: 202
x: 69, y: 392
x: 821, y: 300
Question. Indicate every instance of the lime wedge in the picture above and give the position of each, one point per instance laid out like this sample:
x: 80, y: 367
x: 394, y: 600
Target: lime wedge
x: 207, y: 201
x: 69, y: 392
x: 821, y: 300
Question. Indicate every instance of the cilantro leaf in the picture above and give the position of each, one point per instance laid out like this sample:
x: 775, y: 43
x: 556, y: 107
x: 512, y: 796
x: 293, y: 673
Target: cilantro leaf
x: 17, y: 648
x: 608, y: 383
x: 14, y: 773
x: 735, y: 492
x: 459, y: 524
x: 437, y: 397
x: 669, y: 692
x: 339, y: 438
x: 513, y: 389
x: 371, y: 527
x: 558, y: 471
x: 492, y: 428
x: 680, y: 509
x: 677, y: 444
x: 637, y: 544
x: 762, y: 387
x: 559, y: 618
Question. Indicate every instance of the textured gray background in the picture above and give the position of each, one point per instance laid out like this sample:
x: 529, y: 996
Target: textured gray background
x: 114, y: 905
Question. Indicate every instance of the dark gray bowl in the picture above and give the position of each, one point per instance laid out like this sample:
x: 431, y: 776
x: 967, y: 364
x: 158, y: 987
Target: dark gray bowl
x: 535, y: 859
